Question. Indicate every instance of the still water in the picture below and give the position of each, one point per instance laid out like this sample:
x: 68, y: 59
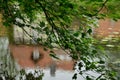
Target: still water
x: 52, y: 69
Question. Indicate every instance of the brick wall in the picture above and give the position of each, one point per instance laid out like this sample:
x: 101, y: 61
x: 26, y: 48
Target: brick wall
x: 107, y: 28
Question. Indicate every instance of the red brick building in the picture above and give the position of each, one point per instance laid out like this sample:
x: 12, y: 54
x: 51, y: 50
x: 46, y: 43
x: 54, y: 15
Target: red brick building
x: 108, y: 28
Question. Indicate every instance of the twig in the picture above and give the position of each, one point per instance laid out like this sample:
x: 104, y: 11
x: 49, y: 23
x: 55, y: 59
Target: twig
x: 52, y: 24
x: 100, y: 76
x: 101, y: 8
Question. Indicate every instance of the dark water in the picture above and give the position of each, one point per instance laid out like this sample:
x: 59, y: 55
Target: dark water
x: 53, y: 72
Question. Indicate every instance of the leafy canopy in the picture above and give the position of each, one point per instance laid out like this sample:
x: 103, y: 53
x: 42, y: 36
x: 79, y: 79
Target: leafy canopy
x: 67, y: 24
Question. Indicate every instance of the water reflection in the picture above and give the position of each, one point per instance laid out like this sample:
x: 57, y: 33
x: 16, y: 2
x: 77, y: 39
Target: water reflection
x: 35, y: 55
x: 7, y: 65
x: 53, y: 69
x: 114, y: 60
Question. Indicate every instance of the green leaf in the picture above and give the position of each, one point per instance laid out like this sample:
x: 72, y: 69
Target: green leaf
x: 39, y: 39
x: 94, y: 51
x: 92, y: 65
x: 54, y: 55
x: 102, y: 62
x: 45, y: 49
x: 89, y: 31
x: 76, y: 34
x: 100, y: 0
x: 74, y: 76
x: 22, y: 71
x: 42, y: 24
x: 45, y: 29
x: 88, y: 78
x: 74, y: 56
x: 6, y: 24
x: 101, y: 48
x: 71, y: 6
x: 80, y: 65
x: 83, y: 35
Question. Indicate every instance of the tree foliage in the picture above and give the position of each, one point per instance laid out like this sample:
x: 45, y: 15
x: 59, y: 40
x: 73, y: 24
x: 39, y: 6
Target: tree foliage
x: 55, y: 19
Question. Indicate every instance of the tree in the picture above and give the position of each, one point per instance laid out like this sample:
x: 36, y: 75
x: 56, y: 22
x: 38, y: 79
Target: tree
x: 57, y: 18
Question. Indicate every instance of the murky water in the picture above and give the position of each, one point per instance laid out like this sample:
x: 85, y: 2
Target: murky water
x: 53, y: 69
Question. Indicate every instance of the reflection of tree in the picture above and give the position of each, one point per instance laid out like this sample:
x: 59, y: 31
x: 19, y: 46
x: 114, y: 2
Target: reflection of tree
x: 35, y: 55
x: 52, y: 69
x: 7, y: 65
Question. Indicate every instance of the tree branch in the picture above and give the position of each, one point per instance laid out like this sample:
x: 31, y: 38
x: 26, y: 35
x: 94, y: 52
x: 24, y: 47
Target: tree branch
x: 101, y: 8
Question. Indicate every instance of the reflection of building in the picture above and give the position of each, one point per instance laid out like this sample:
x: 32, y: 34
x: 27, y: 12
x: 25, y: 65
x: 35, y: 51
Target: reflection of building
x: 22, y: 54
x: 107, y: 28
x: 52, y: 69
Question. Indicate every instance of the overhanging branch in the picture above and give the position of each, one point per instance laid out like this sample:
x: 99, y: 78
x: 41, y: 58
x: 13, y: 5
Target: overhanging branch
x: 103, y: 5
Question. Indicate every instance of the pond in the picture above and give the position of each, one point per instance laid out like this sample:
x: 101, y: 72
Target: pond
x: 53, y: 69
